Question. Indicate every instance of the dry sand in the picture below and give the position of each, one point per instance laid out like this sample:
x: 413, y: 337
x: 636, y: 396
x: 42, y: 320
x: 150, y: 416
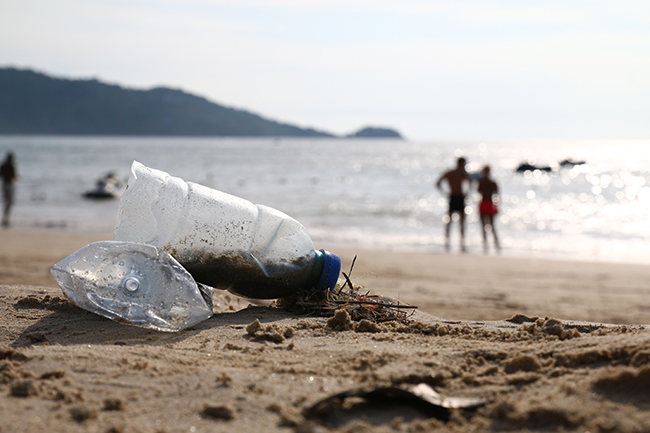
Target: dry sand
x: 514, y: 334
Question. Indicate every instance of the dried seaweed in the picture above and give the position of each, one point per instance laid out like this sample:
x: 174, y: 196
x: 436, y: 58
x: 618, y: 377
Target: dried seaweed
x: 348, y: 296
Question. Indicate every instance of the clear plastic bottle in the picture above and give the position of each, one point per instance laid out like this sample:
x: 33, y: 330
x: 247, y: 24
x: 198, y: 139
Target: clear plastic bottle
x: 135, y: 284
x: 224, y: 241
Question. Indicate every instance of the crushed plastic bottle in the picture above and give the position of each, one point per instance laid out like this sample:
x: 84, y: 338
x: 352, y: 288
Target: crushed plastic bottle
x: 224, y: 241
x: 133, y: 283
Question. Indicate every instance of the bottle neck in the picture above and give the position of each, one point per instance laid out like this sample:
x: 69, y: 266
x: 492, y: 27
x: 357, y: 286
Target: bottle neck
x: 325, y: 272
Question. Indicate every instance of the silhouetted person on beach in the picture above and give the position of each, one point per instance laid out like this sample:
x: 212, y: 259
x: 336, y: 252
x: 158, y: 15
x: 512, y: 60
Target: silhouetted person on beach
x: 455, y: 179
x: 488, y: 189
x: 9, y: 176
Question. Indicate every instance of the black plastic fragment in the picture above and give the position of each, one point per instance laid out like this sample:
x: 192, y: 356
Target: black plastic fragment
x: 420, y: 399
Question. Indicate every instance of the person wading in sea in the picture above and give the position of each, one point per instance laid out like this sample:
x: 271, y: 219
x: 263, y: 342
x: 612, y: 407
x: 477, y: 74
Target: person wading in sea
x: 9, y: 176
x: 456, y: 179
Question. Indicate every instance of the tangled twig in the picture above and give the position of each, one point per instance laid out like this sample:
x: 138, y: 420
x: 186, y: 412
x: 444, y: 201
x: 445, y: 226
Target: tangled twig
x: 347, y: 296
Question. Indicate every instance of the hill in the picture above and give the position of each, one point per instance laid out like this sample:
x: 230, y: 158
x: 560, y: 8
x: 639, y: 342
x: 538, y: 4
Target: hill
x: 34, y: 103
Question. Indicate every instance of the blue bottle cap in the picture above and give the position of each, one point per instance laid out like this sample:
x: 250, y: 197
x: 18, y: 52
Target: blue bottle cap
x: 331, y: 271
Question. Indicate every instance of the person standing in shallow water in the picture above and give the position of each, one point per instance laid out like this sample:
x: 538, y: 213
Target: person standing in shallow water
x: 488, y: 189
x: 9, y: 176
x: 456, y: 179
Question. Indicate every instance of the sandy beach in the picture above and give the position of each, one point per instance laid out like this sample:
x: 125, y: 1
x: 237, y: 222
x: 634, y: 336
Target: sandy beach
x: 532, y: 345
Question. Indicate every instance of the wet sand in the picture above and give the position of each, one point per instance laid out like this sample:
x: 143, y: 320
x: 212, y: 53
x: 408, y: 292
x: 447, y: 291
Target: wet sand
x: 546, y: 345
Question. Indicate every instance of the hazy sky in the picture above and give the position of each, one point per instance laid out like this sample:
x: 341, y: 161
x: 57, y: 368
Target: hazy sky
x: 450, y: 69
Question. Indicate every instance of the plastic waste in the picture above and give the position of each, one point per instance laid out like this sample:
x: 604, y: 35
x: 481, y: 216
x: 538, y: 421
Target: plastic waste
x: 224, y: 241
x: 397, y: 398
x: 133, y: 283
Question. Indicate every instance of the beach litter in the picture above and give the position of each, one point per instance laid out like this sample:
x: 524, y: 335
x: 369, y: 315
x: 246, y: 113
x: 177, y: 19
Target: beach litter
x: 142, y: 285
x: 382, y: 404
x: 223, y: 241
x: 348, y: 301
x: 135, y: 284
x: 175, y: 241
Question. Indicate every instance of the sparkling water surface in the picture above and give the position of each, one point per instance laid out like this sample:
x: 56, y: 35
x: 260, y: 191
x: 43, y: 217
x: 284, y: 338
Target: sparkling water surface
x: 365, y: 192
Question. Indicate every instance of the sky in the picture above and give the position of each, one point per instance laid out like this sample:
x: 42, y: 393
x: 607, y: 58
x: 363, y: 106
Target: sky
x: 433, y: 70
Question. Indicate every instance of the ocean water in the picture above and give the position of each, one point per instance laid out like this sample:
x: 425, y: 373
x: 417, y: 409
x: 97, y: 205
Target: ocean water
x: 369, y: 193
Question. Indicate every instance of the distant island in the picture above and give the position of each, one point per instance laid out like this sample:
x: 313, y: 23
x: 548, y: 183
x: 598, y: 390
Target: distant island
x: 370, y: 132
x: 35, y: 103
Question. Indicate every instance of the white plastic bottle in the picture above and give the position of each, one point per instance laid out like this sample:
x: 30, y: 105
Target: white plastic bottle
x: 223, y: 241
x: 133, y: 283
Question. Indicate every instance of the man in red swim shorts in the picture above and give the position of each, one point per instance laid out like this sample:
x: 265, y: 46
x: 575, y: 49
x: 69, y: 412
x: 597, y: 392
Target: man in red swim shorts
x: 488, y: 189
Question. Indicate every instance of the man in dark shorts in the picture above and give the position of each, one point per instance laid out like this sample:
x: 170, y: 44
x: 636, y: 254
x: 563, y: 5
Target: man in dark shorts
x: 455, y: 179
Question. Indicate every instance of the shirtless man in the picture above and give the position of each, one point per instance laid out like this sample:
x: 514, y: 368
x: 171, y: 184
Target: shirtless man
x: 455, y: 179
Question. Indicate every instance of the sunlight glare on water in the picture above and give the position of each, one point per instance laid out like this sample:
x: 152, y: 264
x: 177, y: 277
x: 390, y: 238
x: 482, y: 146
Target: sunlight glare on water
x: 376, y: 193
